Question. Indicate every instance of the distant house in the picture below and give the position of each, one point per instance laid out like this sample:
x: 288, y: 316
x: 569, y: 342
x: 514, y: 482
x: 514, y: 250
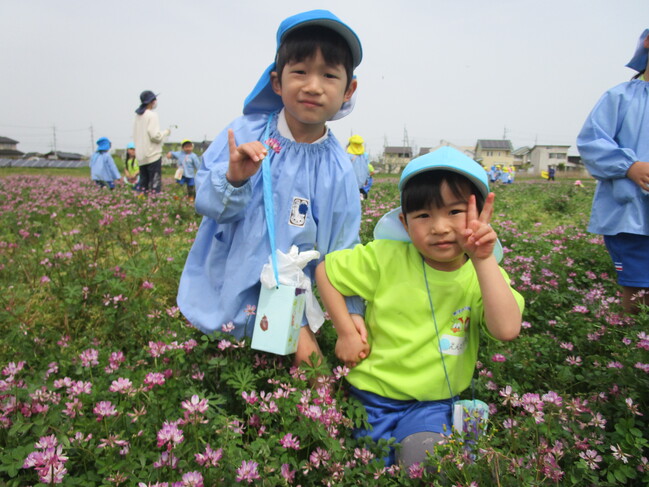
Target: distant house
x: 394, y: 159
x: 445, y: 143
x: 8, y: 148
x: 541, y: 157
x: 494, y: 152
x: 521, y: 156
x: 63, y: 156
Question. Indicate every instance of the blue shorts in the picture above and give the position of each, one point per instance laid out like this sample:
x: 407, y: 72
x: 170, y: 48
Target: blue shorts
x: 630, y: 255
x: 392, y: 418
x: 187, y: 181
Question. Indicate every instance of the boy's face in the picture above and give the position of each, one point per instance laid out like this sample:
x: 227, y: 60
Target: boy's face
x: 130, y: 152
x: 312, y: 93
x: 437, y: 232
x: 188, y: 148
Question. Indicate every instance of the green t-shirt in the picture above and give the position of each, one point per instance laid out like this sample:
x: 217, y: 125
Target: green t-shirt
x: 405, y: 361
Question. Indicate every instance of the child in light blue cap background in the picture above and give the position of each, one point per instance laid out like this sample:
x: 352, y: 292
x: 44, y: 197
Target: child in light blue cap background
x: 614, y: 145
x: 432, y: 281
x: 103, y: 170
x: 315, y: 195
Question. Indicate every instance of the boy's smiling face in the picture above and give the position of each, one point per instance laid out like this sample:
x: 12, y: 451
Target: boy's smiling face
x: 312, y: 92
x: 437, y: 232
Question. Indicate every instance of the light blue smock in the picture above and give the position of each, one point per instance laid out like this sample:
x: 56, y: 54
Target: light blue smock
x: 189, y: 162
x: 102, y: 167
x: 615, y: 135
x: 359, y: 163
x: 316, y: 206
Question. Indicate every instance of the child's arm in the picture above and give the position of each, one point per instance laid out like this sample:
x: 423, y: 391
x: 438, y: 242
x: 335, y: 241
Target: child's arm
x: 244, y: 160
x: 351, y: 346
x: 502, y: 314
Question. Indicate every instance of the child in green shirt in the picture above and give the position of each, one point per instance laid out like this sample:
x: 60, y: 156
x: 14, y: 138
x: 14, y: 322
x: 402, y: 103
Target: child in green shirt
x: 431, y: 281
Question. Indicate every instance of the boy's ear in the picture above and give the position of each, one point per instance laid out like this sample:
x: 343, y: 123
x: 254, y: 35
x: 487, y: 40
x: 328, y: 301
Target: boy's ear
x: 350, y: 91
x: 403, y: 220
x: 275, y: 83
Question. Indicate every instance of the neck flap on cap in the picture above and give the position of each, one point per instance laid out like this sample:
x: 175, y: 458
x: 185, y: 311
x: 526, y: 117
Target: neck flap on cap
x: 262, y: 99
x: 639, y: 59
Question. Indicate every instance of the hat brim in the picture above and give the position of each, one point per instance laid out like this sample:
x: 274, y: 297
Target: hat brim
x: 389, y: 227
x: 340, y: 28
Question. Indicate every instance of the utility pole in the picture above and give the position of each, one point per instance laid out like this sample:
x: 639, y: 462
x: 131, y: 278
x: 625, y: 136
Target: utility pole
x: 54, y: 139
x: 92, y: 139
x: 505, y: 133
x: 406, y: 142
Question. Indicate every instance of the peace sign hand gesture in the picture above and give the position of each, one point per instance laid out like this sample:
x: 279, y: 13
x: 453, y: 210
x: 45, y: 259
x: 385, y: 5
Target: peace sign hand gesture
x: 479, y: 237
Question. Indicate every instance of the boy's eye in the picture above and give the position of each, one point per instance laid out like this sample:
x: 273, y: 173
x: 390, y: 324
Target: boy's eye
x: 331, y: 76
x: 456, y: 211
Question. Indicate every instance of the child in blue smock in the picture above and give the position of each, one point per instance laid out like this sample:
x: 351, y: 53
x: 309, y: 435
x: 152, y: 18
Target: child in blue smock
x: 433, y: 284
x: 614, y: 145
x: 103, y: 170
x: 356, y: 151
x: 316, y: 202
x: 189, y: 163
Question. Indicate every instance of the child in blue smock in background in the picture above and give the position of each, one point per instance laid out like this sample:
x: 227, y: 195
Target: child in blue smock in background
x: 189, y: 163
x: 370, y: 180
x: 432, y: 282
x: 614, y: 145
x: 103, y: 170
x: 356, y: 151
x: 315, y: 195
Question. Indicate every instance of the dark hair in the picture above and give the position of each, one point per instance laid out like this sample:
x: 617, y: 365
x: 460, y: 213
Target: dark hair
x: 303, y: 43
x: 425, y: 190
x: 187, y: 142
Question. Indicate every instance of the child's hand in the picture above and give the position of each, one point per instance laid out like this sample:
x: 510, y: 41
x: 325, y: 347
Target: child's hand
x: 244, y: 160
x: 351, y: 349
x: 480, y: 238
x: 639, y: 174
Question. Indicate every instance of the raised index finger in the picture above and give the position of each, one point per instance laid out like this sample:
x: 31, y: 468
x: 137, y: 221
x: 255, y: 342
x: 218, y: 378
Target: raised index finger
x: 488, y: 208
x: 471, y: 210
x: 232, y: 144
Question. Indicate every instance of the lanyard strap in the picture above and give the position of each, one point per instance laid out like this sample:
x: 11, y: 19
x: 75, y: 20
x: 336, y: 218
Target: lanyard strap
x: 269, y: 210
x: 439, y: 342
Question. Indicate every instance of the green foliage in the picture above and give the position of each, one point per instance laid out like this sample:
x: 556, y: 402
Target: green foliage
x: 97, y: 362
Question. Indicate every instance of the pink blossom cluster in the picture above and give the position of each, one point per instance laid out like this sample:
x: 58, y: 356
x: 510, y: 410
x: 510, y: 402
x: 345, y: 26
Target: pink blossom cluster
x: 48, y: 460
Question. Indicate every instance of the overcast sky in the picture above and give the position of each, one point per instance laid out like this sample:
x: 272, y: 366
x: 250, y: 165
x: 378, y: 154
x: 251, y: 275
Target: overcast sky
x: 458, y: 70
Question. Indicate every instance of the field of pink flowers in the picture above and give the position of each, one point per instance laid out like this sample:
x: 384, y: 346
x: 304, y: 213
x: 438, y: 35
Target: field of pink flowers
x: 102, y: 382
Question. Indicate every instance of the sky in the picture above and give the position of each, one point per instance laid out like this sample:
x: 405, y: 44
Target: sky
x: 455, y: 70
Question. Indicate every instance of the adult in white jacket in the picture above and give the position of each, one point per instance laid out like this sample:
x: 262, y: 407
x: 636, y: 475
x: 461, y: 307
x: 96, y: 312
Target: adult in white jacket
x: 148, y: 142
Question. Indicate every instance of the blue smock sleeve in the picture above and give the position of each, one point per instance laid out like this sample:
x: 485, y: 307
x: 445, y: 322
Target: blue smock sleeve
x: 597, y: 142
x: 339, y: 222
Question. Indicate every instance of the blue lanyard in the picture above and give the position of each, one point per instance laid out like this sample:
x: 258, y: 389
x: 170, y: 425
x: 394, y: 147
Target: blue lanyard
x: 269, y: 210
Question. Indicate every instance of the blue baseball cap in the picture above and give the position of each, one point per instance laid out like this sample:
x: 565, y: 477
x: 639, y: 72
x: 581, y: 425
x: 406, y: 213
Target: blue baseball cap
x: 103, y: 144
x: 639, y: 59
x: 263, y: 99
x: 443, y: 159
